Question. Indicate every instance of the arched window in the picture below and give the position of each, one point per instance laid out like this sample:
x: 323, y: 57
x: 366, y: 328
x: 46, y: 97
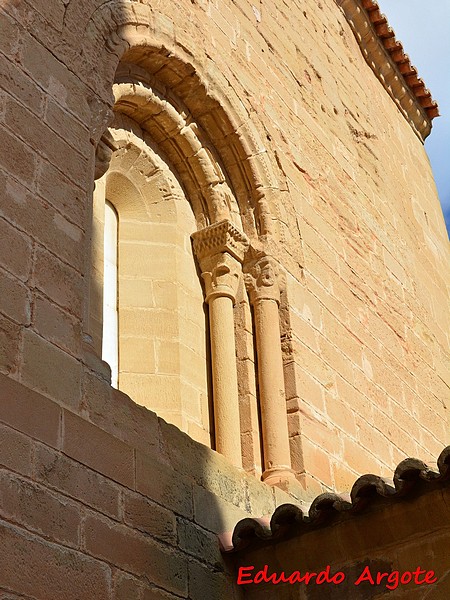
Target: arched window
x: 154, y: 321
x: 181, y: 299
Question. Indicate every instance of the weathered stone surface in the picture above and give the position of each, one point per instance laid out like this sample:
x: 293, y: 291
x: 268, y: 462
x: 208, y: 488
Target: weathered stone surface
x: 29, y: 412
x: 48, y: 570
x: 56, y: 471
x: 97, y: 449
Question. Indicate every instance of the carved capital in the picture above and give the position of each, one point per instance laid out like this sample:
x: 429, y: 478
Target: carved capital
x: 221, y: 274
x: 263, y: 279
x: 220, y: 250
x: 103, y: 154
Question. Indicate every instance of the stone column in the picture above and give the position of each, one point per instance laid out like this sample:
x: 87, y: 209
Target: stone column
x: 262, y: 280
x: 220, y: 251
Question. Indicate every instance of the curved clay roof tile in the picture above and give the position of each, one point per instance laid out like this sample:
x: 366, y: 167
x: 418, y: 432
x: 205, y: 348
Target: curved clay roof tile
x: 383, y: 30
x: 365, y: 15
x: 289, y: 520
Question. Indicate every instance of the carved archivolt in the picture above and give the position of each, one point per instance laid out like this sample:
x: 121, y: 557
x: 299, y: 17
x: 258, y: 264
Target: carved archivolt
x: 210, y: 144
x: 179, y: 138
x: 136, y: 158
x: 129, y: 31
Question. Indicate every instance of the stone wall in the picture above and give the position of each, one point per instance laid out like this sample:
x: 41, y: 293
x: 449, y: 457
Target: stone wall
x: 114, y: 504
x: 315, y: 152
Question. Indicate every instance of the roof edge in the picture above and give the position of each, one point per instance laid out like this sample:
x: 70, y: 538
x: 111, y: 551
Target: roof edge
x: 392, y: 66
x: 412, y: 476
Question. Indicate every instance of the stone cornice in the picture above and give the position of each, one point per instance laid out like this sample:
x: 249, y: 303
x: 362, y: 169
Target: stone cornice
x: 390, y: 64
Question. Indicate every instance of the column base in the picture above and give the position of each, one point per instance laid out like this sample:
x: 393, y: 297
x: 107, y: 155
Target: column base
x: 279, y: 476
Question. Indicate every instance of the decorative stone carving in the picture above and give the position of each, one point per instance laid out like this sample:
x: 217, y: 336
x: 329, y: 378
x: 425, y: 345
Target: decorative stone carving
x: 103, y: 154
x: 102, y: 116
x: 220, y: 250
x: 264, y: 217
x: 221, y: 274
x: 263, y: 279
x: 220, y: 237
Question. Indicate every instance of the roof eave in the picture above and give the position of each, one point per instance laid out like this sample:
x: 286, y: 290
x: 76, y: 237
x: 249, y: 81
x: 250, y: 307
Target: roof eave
x: 391, y: 65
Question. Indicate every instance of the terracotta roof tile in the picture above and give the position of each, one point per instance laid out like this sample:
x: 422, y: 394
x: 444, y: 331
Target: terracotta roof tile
x: 411, y: 475
x: 400, y: 58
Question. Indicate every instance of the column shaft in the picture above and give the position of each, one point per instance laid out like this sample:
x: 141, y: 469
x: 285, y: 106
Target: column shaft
x: 224, y: 378
x: 263, y: 282
x: 220, y: 249
x: 271, y: 388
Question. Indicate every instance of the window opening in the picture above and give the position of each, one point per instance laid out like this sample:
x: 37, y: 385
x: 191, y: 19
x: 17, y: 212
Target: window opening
x: 110, y: 341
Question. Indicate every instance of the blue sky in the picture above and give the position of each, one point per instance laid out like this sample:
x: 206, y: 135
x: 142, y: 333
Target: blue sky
x: 423, y: 26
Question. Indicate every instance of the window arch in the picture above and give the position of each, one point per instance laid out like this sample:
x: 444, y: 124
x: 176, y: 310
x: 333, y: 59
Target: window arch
x: 163, y: 167
x: 162, y: 353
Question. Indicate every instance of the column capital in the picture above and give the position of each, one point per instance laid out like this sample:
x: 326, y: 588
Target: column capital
x: 263, y: 279
x: 220, y: 250
x: 103, y: 154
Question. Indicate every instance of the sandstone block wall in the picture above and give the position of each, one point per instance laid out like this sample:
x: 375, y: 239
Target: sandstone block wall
x: 113, y: 503
x: 352, y: 208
